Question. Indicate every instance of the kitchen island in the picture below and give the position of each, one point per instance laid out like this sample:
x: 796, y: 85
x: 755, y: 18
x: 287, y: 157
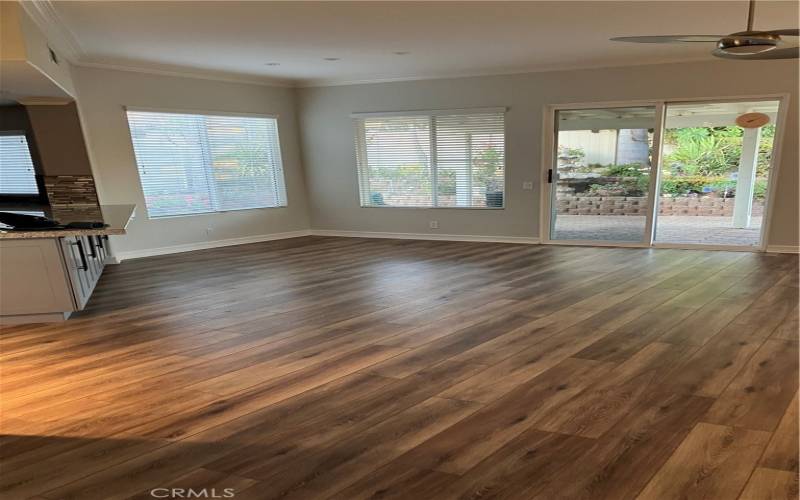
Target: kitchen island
x: 46, y: 275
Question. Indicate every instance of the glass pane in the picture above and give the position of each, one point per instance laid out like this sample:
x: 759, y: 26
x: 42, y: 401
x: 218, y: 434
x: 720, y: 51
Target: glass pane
x: 191, y: 164
x: 16, y: 166
x: 470, y: 160
x: 245, y: 160
x: 397, y: 166
x: 170, y: 162
x: 602, y: 174
x: 714, y: 173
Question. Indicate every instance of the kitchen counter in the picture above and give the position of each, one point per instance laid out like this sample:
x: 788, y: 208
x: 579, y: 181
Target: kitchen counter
x: 116, y: 218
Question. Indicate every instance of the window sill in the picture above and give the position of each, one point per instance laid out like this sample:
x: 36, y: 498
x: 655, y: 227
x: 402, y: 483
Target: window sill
x: 177, y: 216
x: 434, y: 208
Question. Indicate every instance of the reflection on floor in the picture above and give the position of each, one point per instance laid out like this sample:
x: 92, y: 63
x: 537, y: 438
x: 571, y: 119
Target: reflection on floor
x: 669, y: 229
x: 346, y: 368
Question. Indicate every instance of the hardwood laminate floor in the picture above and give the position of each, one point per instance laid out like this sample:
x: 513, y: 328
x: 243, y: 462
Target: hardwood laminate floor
x: 349, y: 368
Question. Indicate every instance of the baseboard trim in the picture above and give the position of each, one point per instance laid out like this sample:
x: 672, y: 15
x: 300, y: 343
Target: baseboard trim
x: 204, y: 245
x: 22, y: 319
x: 782, y: 249
x: 524, y: 240
x: 426, y: 236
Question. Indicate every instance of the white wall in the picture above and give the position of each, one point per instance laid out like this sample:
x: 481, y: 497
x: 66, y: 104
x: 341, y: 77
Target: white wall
x: 599, y: 147
x: 38, y: 55
x: 329, y: 157
x: 102, y: 94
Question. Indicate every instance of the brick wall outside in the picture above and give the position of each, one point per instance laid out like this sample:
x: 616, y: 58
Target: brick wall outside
x: 633, y: 205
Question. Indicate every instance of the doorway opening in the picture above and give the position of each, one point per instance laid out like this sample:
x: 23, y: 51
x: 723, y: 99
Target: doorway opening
x: 676, y: 174
x: 715, y: 173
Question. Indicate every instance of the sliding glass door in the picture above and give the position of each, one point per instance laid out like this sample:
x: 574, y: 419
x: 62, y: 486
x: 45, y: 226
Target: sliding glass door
x: 714, y: 172
x: 600, y: 178
x: 710, y: 189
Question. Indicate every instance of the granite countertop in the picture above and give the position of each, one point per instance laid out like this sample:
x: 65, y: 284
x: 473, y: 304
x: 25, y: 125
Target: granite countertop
x: 116, y: 218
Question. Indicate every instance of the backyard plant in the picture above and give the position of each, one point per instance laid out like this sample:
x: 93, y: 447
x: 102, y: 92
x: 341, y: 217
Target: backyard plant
x: 570, y: 158
x: 712, y: 151
x: 697, y: 161
x: 486, y: 169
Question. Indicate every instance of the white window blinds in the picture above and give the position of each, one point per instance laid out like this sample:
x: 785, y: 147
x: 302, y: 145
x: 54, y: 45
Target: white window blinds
x: 191, y: 163
x: 437, y: 159
x: 17, y: 175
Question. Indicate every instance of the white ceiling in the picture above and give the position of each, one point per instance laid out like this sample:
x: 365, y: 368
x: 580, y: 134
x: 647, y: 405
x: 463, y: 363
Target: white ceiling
x: 235, y: 39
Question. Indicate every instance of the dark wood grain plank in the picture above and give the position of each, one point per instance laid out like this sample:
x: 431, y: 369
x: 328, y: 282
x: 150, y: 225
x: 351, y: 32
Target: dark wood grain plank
x: 758, y: 395
x: 714, y: 461
x: 398, y: 481
x: 466, y: 443
x: 600, y: 406
x: 711, y: 368
x: 771, y: 484
x: 782, y: 451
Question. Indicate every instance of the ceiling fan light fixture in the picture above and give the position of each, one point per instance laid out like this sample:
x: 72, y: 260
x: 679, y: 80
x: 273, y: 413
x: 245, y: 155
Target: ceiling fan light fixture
x: 746, y: 46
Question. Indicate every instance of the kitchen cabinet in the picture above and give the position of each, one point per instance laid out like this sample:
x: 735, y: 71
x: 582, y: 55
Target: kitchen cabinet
x: 84, y: 261
x: 47, y: 275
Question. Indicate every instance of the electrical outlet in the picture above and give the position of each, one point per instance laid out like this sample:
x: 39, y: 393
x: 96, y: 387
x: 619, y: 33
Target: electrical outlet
x: 527, y: 185
x: 209, y: 230
x: 434, y: 224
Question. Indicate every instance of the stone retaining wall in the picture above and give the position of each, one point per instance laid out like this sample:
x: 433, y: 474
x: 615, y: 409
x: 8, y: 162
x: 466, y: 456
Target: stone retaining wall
x: 633, y: 205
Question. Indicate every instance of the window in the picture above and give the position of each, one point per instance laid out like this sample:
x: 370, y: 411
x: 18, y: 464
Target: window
x: 431, y: 159
x: 192, y: 164
x: 17, y: 175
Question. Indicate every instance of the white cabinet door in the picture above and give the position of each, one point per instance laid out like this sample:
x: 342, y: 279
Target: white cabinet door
x: 77, y: 262
x: 33, y: 279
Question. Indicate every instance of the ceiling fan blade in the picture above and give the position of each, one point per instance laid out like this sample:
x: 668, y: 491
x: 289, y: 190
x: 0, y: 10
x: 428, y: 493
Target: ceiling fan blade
x: 667, y: 38
x: 786, y: 32
x: 788, y: 53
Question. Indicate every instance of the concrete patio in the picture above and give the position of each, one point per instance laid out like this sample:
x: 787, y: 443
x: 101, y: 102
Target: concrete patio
x: 669, y: 229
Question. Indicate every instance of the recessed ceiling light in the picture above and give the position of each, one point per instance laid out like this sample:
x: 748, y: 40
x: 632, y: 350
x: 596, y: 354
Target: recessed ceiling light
x: 272, y: 64
x: 401, y: 53
x: 332, y: 58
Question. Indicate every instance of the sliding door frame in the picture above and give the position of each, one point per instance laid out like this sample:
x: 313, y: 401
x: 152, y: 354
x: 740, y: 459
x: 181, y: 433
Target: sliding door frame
x: 548, y: 163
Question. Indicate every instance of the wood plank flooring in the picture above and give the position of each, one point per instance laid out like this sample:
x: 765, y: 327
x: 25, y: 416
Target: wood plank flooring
x: 349, y: 368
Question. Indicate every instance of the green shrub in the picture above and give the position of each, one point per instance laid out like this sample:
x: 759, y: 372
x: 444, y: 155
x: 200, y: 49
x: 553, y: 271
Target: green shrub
x: 687, y: 184
x: 713, y: 150
x: 760, y: 189
x: 700, y: 184
x: 626, y: 170
x: 621, y: 181
x: 636, y: 186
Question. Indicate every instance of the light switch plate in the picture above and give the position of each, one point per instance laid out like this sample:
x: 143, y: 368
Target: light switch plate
x: 527, y: 185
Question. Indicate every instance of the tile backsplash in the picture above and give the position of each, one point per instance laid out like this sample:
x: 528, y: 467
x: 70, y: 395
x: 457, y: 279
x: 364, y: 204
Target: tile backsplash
x: 73, y: 190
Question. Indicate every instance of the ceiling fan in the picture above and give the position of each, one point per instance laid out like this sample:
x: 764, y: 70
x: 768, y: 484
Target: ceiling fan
x: 744, y: 45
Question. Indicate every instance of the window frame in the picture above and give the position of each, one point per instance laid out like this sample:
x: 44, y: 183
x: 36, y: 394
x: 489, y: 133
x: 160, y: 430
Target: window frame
x: 206, y: 112
x: 41, y: 197
x: 360, y: 145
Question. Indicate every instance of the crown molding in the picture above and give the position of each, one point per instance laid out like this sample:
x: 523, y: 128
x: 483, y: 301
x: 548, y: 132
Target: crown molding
x: 332, y: 82
x: 319, y: 83
x: 264, y: 81
x: 45, y: 16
